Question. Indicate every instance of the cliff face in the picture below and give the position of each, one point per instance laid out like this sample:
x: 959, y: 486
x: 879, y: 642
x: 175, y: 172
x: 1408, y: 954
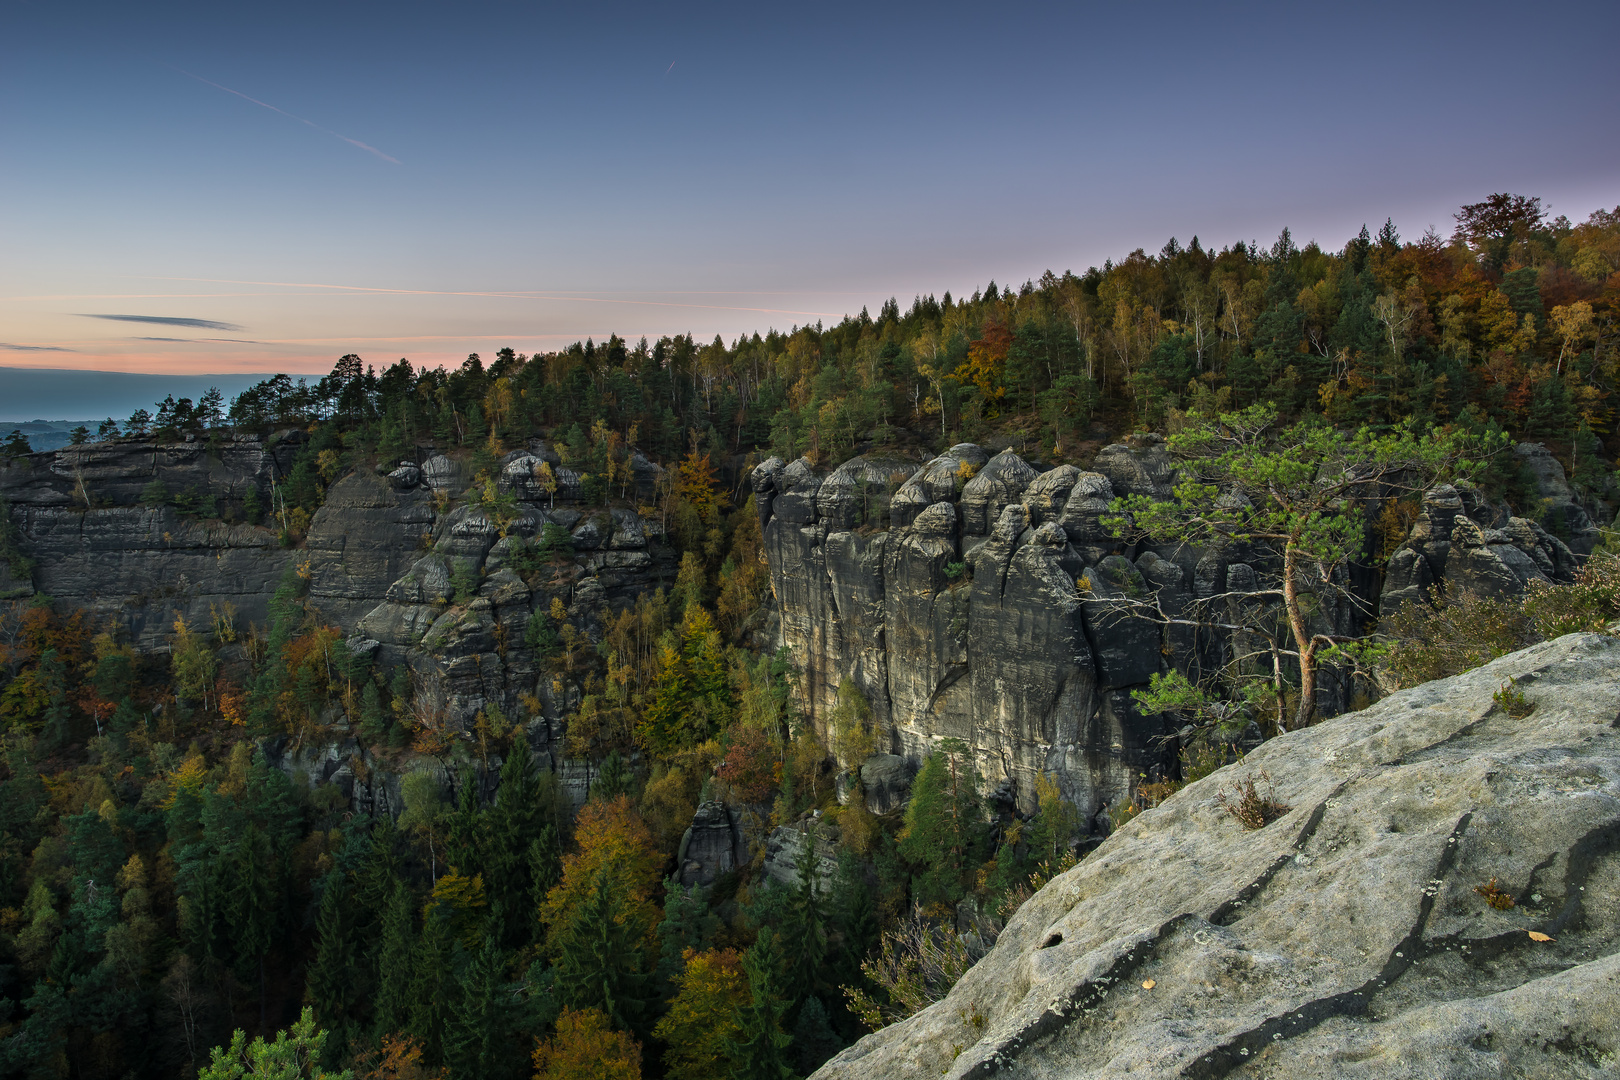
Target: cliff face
x: 94, y: 545
x: 982, y: 611
x: 1352, y: 937
x: 975, y: 597
x: 411, y: 576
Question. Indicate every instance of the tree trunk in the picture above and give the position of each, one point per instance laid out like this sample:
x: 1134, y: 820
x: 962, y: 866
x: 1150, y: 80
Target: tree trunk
x: 1302, y: 640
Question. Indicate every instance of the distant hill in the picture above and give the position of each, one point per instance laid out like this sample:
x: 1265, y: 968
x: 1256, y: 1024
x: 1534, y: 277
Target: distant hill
x: 47, y: 394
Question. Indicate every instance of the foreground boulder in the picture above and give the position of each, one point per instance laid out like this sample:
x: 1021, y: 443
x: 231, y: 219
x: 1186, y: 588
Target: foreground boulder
x: 1352, y: 936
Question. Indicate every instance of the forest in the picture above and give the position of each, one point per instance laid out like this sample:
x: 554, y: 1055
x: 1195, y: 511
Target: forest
x: 173, y: 904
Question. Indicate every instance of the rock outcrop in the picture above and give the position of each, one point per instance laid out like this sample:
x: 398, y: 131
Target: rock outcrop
x: 79, y: 516
x: 145, y: 532
x: 1354, y: 937
x: 994, y: 609
x: 1460, y: 542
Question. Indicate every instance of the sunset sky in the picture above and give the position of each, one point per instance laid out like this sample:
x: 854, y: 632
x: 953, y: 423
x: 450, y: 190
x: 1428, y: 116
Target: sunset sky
x: 254, y: 188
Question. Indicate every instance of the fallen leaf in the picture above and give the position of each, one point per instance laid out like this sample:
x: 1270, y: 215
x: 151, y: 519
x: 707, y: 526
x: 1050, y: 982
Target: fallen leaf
x: 1537, y: 935
x: 1148, y: 984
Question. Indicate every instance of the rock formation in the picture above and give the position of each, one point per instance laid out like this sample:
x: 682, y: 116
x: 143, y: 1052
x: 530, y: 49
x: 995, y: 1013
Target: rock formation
x: 989, y: 610
x: 1460, y: 542
x: 391, y: 559
x: 1352, y: 938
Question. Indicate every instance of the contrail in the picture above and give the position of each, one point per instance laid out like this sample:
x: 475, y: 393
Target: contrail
x: 670, y: 68
x: 266, y: 105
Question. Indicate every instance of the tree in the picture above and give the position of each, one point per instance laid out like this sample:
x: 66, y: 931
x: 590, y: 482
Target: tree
x: 16, y: 445
x: 79, y: 436
x: 108, y: 429
x: 391, y: 1005
x: 211, y: 407
x: 705, y: 1016
x: 331, y: 986
x: 586, y: 1048
x: 601, y: 919
x: 760, y: 1045
x: 1290, y: 494
x: 288, y: 1058
x: 1493, y: 225
x: 476, y: 1040
x: 945, y: 832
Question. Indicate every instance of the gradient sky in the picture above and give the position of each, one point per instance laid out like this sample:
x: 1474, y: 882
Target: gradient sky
x: 270, y: 186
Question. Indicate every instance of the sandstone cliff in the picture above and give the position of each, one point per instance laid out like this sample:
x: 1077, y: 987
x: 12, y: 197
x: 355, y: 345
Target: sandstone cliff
x: 1351, y: 938
x: 980, y: 603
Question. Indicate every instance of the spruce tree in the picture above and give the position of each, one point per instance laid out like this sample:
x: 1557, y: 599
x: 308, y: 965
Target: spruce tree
x: 814, y: 1040
x: 803, y: 935
x: 477, y: 1039
x: 855, y: 916
x: 945, y: 830
x: 599, y: 963
x: 331, y: 987
x: 433, y: 984
x: 760, y: 1048
x: 466, y: 839
x: 688, y: 924
x: 512, y: 822
x: 392, y: 1003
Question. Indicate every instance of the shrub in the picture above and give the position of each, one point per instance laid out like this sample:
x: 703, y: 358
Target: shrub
x: 1451, y: 635
x: 1249, y: 805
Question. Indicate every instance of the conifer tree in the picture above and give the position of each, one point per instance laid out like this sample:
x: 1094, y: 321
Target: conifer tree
x: 599, y: 956
x: 760, y: 1048
x: 476, y: 1041
x: 433, y: 983
x: 688, y: 925
x: 804, y: 935
x: 512, y: 822
x: 392, y: 1002
x: 814, y: 1040
x: 330, y: 986
x: 945, y: 831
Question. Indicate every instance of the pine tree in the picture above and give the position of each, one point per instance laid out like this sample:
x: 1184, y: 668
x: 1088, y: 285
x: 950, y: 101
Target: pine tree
x: 760, y: 1048
x: 331, y: 987
x: 391, y: 1004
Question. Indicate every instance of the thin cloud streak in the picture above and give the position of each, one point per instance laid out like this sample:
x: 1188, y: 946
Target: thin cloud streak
x: 199, y: 341
x: 167, y: 320
x: 9, y: 347
x: 266, y: 105
x: 512, y: 295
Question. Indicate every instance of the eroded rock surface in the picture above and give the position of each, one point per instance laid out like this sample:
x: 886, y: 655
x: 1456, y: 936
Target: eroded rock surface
x: 1350, y: 938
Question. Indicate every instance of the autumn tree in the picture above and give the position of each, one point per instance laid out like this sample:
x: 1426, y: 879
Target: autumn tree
x: 704, y: 1018
x: 585, y: 1047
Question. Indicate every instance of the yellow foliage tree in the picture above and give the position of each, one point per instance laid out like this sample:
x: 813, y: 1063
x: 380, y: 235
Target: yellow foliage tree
x: 703, y: 1019
x: 585, y: 1048
x: 611, y: 836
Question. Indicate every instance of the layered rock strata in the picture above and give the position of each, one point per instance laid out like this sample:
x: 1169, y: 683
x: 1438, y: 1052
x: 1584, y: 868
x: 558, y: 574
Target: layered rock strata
x: 1440, y: 898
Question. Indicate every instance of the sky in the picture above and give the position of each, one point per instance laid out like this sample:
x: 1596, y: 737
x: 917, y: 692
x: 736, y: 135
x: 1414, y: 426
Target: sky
x: 245, y: 188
